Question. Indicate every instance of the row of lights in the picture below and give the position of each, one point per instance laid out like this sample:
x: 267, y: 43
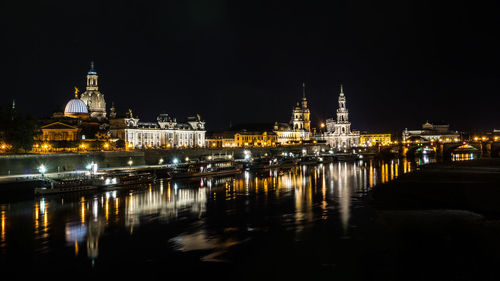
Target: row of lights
x: 47, y: 147
x: 484, y: 138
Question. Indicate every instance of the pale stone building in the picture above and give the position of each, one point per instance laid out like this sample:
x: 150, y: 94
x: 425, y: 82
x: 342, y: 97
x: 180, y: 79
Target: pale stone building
x: 432, y: 132
x: 338, y: 132
x: 164, y: 133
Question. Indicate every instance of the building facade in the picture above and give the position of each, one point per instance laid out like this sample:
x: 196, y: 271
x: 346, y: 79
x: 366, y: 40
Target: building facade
x: 245, y: 139
x: 220, y: 139
x: 432, y: 132
x: 338, y: 132
x: 299, y: 127
x: 58, y: 131
x: 92, y: 98
x: 164, y: 133
x: 374, y: 139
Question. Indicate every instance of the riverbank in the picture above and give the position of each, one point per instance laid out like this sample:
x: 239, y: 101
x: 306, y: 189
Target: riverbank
x: 26, y: 164
x: 440, y: 222
x: 468, y: 185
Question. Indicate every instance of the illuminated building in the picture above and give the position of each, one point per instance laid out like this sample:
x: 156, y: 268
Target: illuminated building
x: 374, y: 139
x: 246, y: 138
x: 65, y: 131
x: 220, y: 139
x: 92, y: 97
x: 338, y: 132
x: 59, y: 131
x: 164, y: 133
x: 299, y: 128
x: 432, y: 132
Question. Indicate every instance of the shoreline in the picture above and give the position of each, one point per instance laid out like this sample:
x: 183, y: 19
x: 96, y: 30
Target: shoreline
x: 472, y: 185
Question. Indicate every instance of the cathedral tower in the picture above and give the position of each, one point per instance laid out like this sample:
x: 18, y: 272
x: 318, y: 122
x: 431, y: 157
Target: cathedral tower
x: 306, y: 113
x: 92, y: 97
x: 301, y: 116
x: 339, y: 134
x: 343, y: 126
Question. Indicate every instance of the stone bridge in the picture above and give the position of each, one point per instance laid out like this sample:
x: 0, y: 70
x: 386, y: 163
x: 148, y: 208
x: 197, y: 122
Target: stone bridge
x: 445, y: 149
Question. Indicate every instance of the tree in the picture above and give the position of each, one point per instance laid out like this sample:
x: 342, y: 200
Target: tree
x: 17, y: 130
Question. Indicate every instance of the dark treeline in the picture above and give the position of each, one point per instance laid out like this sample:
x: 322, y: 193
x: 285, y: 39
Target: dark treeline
x: 17, y: 130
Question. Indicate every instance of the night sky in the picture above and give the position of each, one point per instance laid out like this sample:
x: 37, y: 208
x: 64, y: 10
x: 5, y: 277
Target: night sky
x: 402, y: 63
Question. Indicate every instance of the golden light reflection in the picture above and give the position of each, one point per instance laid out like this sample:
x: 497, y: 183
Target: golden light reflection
x: 117, y: 210
x: 82, y: 210
x: 106, y: 210
x: 76, y: 248
x: 370, y: 176
x: 3, y: 232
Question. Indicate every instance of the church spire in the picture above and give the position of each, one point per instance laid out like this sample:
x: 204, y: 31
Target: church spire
x: 341, y: 89
x: 303, y: 90
x: 92, y: 70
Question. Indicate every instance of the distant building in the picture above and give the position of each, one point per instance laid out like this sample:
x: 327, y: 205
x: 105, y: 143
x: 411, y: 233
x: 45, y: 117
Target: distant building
x: 164, y: 133
x: 259, y: 138
x: 432, y: 132
x: 72, y: 130
x: 220, y: 139
x: 338, y: 132
x: 58, y: 131
x: 299, y: 127
x: 246, y: 135
x: 374, y: 139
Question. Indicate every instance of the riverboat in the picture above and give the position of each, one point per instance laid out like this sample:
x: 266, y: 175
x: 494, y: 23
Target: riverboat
x: 68, y: 185
x: 309, y: 160
x: 273, y: 163
x: 205, y: 169
x: 115, y: 181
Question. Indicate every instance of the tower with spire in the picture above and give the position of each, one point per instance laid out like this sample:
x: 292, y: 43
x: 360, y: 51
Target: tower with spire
x: 338, y: 133
x: 92, y: 97
x: 301, y: 116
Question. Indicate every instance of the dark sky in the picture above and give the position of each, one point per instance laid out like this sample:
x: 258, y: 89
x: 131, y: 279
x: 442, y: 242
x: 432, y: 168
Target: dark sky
x: 401, y: 62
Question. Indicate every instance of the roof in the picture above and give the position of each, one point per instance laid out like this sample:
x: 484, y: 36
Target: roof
x: 76, y: 106
x: 224, y: 134
x: 244, y: 132
x: 58, y: 126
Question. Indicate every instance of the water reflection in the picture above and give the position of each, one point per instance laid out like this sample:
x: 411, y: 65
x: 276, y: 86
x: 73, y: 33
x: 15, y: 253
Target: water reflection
x: 4, y: 223
x: 210, y: 209
x: 462, y: 156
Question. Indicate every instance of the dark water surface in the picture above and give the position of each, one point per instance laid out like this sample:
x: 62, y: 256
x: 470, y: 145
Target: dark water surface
x: 309, y: 222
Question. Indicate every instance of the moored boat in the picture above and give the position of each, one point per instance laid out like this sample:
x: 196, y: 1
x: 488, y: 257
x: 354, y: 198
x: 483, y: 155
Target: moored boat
x: 114, y: 181
x: 205, y: 169
x: 68, y: 185
x: 273, y: 163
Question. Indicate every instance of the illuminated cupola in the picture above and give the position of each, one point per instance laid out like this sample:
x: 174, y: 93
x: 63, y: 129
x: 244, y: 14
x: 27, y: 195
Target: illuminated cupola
x: 76, y: 108
x: 92, y: 97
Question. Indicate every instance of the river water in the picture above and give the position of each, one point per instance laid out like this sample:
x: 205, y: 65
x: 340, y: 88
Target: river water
x: 310, y: 222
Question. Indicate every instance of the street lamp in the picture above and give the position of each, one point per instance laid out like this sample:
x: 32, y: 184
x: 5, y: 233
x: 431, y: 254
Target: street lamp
x: 42, y: 169
x: 130, y: 162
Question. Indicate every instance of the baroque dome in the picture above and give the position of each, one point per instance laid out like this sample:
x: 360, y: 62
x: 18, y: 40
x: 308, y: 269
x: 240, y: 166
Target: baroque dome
x: 76, y: 108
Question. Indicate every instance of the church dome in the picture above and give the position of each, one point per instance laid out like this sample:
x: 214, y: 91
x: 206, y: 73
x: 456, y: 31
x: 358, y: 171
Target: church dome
x: 76, y: 108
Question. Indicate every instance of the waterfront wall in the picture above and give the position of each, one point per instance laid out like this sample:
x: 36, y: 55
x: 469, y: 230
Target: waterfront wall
x: 60, y: 162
